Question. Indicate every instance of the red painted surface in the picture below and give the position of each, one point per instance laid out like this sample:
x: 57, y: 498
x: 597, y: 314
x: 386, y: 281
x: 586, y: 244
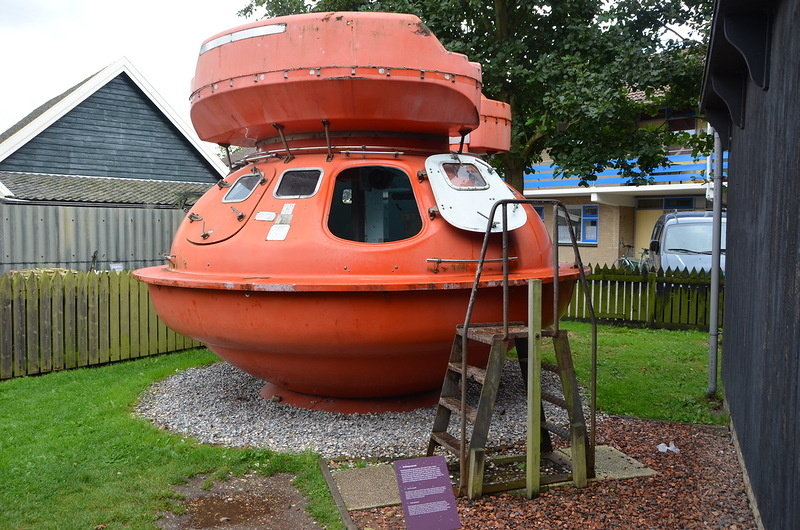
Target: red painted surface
x: 315, y: 293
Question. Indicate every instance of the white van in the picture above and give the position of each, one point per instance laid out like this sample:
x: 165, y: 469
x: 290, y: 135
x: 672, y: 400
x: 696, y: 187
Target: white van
x: 682, y: 240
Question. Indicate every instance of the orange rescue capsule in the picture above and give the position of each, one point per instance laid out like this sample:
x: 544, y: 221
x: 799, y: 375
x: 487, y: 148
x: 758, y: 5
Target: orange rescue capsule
x: 337, y: 262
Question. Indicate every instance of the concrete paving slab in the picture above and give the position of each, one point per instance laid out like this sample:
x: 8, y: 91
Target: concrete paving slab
x: 376, y: 486
x: 368, y: 487
x: 610, y: 463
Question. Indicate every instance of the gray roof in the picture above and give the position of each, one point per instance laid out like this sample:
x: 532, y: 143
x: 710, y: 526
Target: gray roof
x: 100, y: 190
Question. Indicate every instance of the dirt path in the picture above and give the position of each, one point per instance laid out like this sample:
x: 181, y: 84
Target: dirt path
x: 249, y: 502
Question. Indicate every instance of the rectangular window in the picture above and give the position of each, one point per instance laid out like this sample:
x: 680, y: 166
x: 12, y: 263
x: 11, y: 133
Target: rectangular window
x: 589, y: 220
x: 679, y: 203
x: 298, y: 183
x: 242, y: 188
x: 585, y: 223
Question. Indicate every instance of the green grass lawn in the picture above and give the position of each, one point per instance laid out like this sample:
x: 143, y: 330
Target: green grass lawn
x: 647, y: 373
x: 73, y: 456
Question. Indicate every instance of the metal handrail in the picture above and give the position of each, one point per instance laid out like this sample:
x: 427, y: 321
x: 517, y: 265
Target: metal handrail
x: 473, y: 294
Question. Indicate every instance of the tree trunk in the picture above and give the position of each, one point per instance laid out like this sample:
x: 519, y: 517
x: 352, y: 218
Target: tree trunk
x: 513, y: 171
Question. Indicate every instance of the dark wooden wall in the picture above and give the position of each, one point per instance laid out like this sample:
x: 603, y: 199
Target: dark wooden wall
x: 115, y: 132
x: 761, y: 338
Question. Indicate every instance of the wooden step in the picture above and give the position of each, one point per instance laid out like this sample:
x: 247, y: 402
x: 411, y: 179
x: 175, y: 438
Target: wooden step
x: 550, y: 367
x: 454, y: 404
x: 544, y: 480
x: 473, y: 372
x: 447, y: 440
x: 555, y: 400
x: 555, y: 429
x: 488, y: 333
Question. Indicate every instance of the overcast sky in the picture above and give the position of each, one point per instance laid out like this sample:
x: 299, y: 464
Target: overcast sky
x: 48, y: 46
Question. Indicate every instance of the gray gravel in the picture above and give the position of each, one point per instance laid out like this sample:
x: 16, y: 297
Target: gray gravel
x: 220, y: 404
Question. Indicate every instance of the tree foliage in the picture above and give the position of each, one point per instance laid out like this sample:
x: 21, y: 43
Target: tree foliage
x: 580, y: 75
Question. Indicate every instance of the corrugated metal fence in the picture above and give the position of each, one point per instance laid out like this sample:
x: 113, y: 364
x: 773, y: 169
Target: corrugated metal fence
x: 58, y: 321
x: 84, y: 238
x: 661, y: 299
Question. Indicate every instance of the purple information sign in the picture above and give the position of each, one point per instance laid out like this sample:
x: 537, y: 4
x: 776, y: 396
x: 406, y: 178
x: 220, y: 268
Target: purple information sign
x: 426, y: 494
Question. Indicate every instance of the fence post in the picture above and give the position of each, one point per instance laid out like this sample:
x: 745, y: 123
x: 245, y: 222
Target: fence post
x: 135, y: 317
x: 70, y: 320
x: 125, y: 320
x: 650, y: 317
x: 18, y: 323
x: 114, y: 320
x: 45, y: 323
x: 82, y: 318
x: 57, y: 321
x: 32, y: 324
x: 93, y: 318
x: 6, y: 329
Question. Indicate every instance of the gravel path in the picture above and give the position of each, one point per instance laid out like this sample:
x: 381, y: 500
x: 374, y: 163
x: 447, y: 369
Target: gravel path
x: 220, y: 404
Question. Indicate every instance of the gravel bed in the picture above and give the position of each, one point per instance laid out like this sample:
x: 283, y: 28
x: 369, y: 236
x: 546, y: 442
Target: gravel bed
x: 220, y: 404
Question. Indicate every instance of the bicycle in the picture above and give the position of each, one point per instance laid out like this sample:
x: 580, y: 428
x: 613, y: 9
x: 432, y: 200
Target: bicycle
x: 632, y: 261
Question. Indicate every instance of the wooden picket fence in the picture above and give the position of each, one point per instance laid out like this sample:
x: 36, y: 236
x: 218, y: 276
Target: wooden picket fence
x: 677, y: 299
x: 53, y: 321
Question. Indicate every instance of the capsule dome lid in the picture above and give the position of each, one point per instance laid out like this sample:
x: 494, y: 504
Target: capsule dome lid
x: 346, y: 71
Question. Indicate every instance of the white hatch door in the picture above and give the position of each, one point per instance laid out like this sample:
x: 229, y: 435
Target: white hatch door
x: 466, y: 188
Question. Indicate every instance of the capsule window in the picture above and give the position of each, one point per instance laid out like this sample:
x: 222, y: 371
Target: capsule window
x: 242, y: 188
x: 298, y: 183
x: 464, y: 177
x: 374, y: 204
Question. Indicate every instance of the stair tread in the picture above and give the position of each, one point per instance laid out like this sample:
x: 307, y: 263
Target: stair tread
x: 473, y: 372
x: 555, y: 429
x: 488, y: 333
x: 447, y: 440
x: 454, y: 403
x: 554, y: 399
x: 550, y: 367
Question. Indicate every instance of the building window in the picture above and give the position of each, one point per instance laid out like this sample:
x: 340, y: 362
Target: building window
x: 679, y: 203
x: 585, y: 222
